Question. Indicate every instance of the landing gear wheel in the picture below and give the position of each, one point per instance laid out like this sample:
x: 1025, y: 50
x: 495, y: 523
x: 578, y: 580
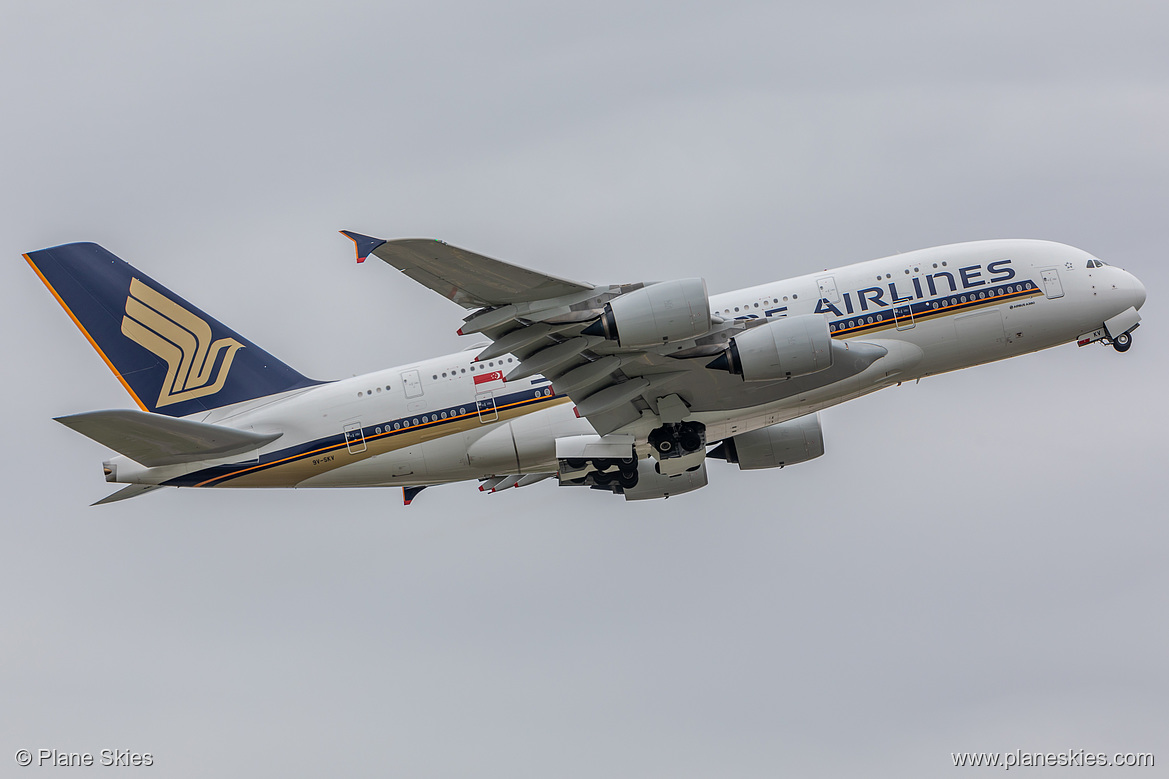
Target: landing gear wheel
x: 1122, y: 342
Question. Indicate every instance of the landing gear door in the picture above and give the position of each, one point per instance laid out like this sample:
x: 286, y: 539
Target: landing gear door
x: 1051, y: 285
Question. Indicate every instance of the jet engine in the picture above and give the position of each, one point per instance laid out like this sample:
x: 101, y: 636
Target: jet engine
x: 781, y: 349
x: 656, y: 314
x: 787, y: 443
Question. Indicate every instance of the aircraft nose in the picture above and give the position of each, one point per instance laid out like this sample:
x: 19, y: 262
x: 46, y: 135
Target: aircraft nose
x: 1138, y: 291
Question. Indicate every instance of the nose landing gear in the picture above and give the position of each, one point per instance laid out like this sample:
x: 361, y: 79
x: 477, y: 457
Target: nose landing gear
x: 1121, y: 342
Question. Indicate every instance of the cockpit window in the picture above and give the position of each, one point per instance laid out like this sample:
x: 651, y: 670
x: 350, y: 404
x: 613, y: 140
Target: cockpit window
x: 1095, y: 264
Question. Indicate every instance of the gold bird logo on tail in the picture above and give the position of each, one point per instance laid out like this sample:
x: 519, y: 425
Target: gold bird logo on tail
x: 182, y: 339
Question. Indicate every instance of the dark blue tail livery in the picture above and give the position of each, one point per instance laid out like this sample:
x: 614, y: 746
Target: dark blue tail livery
x: 171, y: 357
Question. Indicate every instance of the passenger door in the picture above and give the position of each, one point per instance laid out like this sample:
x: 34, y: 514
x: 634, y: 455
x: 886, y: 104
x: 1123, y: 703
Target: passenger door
x: 1051, y: 285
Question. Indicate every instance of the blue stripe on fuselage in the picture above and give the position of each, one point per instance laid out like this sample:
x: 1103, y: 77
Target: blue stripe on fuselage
x: 218, y: 474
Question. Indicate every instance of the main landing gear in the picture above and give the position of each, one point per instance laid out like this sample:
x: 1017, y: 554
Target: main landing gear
x: 678, y: 440
x: 1122, y: 342
x: 608, y: 471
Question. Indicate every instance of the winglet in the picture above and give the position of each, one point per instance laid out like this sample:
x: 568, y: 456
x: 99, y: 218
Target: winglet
x: 362, y: 243
x: 410, y: 493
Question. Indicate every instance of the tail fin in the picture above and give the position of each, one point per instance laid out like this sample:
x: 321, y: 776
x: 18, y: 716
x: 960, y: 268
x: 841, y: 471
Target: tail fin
x: 171, y: 357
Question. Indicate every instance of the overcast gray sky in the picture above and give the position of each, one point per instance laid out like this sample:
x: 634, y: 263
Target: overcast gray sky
x: 978, y: 562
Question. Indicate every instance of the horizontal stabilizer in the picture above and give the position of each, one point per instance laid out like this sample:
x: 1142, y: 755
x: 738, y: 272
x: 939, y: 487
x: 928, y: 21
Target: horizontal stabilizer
x: 129, y: 491
x: 155, y: 439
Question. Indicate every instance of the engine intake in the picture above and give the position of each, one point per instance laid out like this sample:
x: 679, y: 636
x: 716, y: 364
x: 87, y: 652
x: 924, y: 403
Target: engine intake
x: 656, y: 314
x: 781, y: 349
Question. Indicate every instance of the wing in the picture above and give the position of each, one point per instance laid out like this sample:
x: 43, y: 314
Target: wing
x: 467, y: 278
x: 555, y: 327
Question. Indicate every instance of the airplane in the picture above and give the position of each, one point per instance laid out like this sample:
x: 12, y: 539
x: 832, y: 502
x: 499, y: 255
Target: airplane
x: 622, y: 388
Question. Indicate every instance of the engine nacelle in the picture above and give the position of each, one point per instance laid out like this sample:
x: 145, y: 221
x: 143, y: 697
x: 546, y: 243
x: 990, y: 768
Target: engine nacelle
x: 657, y: 314
x: 651, y: 484
x: 787, y: 443
x: 781, y: 349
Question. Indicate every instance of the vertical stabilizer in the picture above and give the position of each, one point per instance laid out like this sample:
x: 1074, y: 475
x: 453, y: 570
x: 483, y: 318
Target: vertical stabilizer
x: 171, y: 357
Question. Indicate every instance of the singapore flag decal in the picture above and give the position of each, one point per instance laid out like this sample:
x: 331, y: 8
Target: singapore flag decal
x: 486, y: 381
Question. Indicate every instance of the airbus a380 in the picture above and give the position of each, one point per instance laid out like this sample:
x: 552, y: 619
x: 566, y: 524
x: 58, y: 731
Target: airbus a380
x: 624, y: 388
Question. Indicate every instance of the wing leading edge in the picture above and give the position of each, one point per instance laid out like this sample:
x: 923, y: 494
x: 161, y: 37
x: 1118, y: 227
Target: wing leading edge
x: 469, y: 279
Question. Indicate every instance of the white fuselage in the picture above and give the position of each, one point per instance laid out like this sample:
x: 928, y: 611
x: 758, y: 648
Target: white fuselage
x: 934, y: 310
